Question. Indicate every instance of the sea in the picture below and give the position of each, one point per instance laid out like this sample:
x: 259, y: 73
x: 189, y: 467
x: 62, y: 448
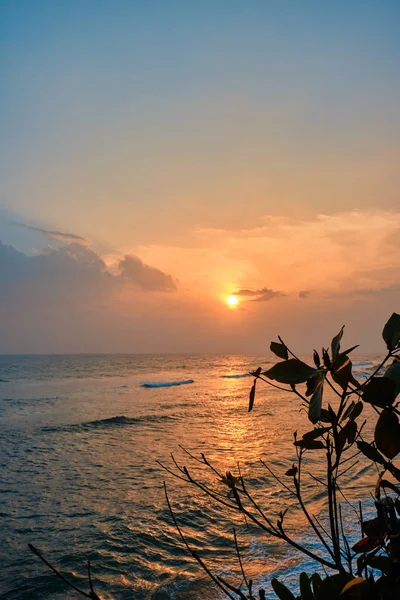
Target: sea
x: 81, y: 442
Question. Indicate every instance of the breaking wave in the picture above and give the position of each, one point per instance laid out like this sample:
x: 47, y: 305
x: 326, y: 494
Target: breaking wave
x: 238, y: 376
x: 160, y: 384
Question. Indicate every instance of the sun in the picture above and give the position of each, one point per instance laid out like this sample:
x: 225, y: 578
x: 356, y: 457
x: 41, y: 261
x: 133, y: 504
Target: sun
x: 232, y: 301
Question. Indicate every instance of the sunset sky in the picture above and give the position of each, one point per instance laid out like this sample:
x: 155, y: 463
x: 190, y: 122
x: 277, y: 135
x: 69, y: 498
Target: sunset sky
x: 160, y: 156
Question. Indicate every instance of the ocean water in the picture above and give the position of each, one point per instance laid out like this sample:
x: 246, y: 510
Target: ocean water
x: 79, y: 442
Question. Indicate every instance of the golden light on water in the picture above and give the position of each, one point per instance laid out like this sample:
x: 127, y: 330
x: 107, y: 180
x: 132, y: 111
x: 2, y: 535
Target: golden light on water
x: 232, y: 301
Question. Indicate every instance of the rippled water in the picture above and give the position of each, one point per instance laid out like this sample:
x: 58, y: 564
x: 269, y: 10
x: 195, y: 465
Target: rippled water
x: 80, y: 437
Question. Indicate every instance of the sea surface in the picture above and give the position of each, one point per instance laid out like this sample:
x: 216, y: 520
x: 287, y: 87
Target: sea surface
x: 79, y: 443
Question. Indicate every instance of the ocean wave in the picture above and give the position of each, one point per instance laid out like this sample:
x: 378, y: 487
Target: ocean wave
x: 238, y: 376
x: 118, y: 421
x: 159, y: 384
x: 365, y: 363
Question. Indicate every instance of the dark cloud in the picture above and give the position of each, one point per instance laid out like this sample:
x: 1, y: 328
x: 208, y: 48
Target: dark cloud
x: 77, y: 267
x: 148, y: 278
x: 54, y: 234
x: 262, y: 295
x: 304, y: 294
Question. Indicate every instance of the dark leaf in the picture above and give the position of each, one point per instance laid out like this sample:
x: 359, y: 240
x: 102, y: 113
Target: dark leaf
x: 350, y: 349
x: 335, y: 345
x: 380, y: 391
x: 342, y: 438
x: 387, y: 433
x: 371, y: 452
x: 332, y: 586
x: 281, y: 590
x: 305, y: 587
x: 290, y: 371
x: 316, y: 582
x: 317, y: 360
x: 357, y: 410
x: 291, y: 472
x: 325, y: 358
x: 252, y: 396
x: 332, y: 414
x: 313, y: 383
x: 391, y: 332
x: 352, y: 432
x: 341, y: 371
x: 315, y: 433
x: 365, y: 545
x: 314, y: 408
x: 325, y: 416
x: 382, y: 563
x: 279, y: 349
x: 356, y: 588
x: 393, y: 372
x: 348, y: 410
x: 308, y: 444
x: 374, y: 528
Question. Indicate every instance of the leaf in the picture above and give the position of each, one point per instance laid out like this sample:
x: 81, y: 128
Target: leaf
x: 374, y: 528
x: 290, y: 371
x: 307, y: 444
x: 292, y: 471
x: 335, y: 344
x: 393, y: 372
x: 365, y: 545
x: 314, y: 408
x: 305, y: 587
x: 382, y: 563
x: 354, y: 583
x: 332, y: 586
x: 325, y: 416
x: 252, y: 396
x: 316, y: 582
x: 387, y: 433
x: 391, y: 332
x: 313, y: 382
x: 342, y: 438
x: 326, y: 359
x: 380, y: 391
x: 353, y: 411
x: 352, y: 432
x: 341, y: 371
x: 315, y: 433
x: 357, y: 410
x: 281, y: 590
x: 279, y: 349
x: 350, y: 349
x: 317, y: 360
x: 371, y: 452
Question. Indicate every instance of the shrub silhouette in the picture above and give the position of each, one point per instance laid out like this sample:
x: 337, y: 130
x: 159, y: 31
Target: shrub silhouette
x: 368, y: 569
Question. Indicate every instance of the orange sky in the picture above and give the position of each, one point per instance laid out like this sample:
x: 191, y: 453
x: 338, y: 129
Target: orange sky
x: 159, y: 158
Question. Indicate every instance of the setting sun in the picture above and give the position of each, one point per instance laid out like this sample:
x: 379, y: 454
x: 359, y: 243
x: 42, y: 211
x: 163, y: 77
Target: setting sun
x: 232, y: 301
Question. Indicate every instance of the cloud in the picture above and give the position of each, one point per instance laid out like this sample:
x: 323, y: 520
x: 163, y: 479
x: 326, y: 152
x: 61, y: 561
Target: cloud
x: 262, y: 295
x: 54, y: 234
x: 76, y: 267
x: 134, y: 270
x: 304, y: 294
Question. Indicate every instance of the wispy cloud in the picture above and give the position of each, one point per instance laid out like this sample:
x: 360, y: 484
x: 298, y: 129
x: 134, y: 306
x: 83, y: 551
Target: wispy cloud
x: 303, y: 294
x: 55, y: 234
x: 262, y: 295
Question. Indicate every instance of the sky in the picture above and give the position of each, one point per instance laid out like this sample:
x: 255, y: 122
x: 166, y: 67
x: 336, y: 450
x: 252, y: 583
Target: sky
x: 159, y: 156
